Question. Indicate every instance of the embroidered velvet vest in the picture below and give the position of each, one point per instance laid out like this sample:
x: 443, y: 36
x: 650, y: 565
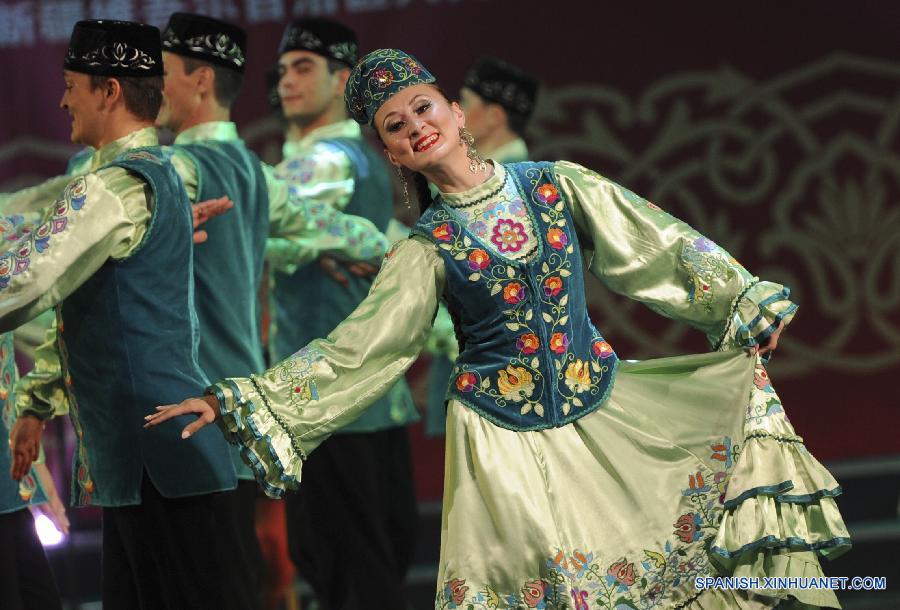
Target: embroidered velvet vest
x: 309, y: 304
x: 129, y: 342
x: 228, y: 265
x: 530, y: 357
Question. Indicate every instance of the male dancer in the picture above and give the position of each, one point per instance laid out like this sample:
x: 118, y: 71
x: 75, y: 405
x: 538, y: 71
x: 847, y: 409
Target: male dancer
x: 351, y: 527
x: 204, y: 62
x: 114, y: 252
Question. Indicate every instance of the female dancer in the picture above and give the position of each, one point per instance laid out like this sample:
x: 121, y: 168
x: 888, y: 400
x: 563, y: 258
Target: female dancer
x: 573, y: 480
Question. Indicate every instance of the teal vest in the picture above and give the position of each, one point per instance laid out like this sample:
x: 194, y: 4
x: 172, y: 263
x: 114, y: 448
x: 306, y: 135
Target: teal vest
x: 228, y: 266
x: 129, y: 342
x: 530, y: 357
x: 308, y: 304
x: 14, y: 495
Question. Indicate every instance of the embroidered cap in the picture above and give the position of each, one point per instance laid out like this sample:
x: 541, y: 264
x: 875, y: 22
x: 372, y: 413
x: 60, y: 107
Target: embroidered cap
x: 504, y: 84
x: 377, y: 77
x: 201, y: 37
x: 114, y: 48
x: 322, y: 36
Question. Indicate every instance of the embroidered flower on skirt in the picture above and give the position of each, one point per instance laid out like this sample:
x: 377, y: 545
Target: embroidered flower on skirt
x: 509, y: 235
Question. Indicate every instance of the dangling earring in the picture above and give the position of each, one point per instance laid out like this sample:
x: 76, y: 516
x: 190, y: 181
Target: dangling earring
x: 476, y: 163
x: 405, y: 187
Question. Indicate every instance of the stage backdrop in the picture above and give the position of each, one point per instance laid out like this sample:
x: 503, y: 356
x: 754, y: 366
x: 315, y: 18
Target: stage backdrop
x: 774, y: 128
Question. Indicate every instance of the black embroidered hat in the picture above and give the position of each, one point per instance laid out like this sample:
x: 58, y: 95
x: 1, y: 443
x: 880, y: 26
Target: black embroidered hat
x: 502, y: 83
x: 321, y: 36
x: 201, y: 37
x: 114, y: 48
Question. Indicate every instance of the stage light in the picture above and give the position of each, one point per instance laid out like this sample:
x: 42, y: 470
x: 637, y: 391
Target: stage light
x: 47, y: 532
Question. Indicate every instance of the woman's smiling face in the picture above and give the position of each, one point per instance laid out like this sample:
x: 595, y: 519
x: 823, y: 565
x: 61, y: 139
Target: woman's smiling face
x: 420, y: 128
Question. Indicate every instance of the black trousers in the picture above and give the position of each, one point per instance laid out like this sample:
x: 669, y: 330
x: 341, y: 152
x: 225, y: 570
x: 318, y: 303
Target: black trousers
x: 26, y: 582
x: 175, y: 554
x: 352, y: 523
x: 241, y: 504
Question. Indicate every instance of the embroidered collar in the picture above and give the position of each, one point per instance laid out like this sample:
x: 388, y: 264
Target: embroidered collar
x: 488, y: 189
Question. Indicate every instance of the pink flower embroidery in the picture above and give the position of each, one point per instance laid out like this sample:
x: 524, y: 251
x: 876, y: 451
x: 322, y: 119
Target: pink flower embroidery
x: 687, y: 527
x: 509, y: 235
x: 622, y: 571
x: 533, y: 592
x: 457, y: 590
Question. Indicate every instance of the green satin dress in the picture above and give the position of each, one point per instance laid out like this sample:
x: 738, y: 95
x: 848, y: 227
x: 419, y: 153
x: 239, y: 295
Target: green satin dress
x: 689, y: 469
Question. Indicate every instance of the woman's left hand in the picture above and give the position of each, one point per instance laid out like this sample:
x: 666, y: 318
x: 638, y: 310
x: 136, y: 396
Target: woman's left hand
x: 205, y: 407
x: 772, y: 342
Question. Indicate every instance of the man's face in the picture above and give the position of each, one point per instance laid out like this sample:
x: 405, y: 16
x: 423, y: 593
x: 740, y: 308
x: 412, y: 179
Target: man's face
x: 85, y: 106
x: 180, y: 96
x: 305, y: 85
x: 478, y: 119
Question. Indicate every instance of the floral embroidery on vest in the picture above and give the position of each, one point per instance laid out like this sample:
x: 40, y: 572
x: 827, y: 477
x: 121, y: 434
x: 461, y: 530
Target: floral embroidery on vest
x: 83, y: 483
x: 550, y: 376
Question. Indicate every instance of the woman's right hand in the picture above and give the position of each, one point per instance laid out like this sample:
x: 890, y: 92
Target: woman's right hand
x: 205, y: 407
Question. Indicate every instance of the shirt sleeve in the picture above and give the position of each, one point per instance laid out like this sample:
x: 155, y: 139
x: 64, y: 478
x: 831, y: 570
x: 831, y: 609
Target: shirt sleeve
x: 42, y: 391
x: 280, y: 416
x: 98, y: 216
x: 35, y: 198
x: 186, y: 168
x: 302, y: 228
x: 324, y: 174
x: 641, y: 252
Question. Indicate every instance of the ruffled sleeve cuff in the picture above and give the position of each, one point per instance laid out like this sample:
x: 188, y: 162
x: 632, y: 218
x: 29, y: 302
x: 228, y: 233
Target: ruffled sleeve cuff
x: 266, y: 443
x: 756, y: 314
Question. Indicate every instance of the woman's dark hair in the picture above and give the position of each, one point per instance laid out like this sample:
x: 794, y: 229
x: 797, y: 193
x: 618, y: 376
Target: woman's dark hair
x: 420, y: 184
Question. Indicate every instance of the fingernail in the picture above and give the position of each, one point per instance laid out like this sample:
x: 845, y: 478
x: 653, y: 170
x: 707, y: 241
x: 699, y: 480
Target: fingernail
x: 185, y: 434
x: 148, y: 417
x: 159, y: 408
